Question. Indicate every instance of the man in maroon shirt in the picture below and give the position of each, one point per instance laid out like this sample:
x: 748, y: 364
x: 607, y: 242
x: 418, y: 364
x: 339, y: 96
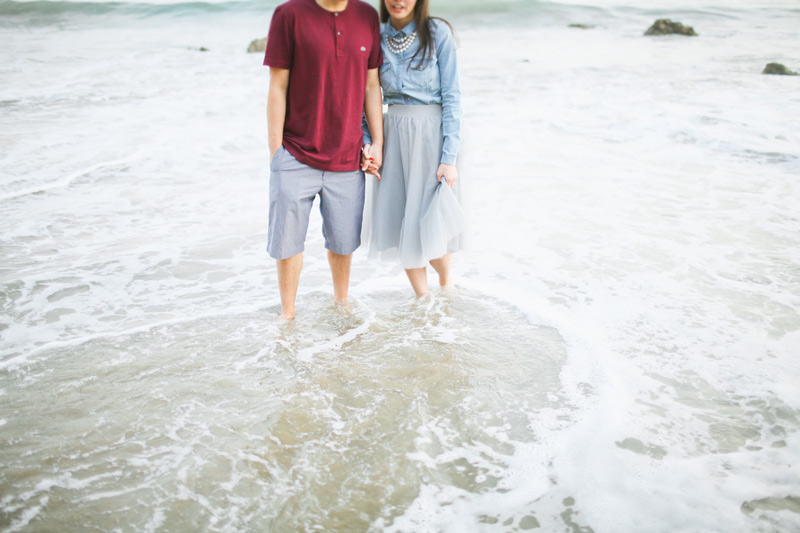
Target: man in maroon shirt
x: 324, y: 57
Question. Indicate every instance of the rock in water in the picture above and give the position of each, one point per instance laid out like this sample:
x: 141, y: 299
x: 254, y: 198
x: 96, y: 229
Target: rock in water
x: 257, y: 45
x: 666, y: 27
x: 777, y: 68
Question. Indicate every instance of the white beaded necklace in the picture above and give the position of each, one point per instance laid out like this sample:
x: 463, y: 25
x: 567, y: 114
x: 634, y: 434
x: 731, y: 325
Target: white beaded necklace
x: 398, y: 46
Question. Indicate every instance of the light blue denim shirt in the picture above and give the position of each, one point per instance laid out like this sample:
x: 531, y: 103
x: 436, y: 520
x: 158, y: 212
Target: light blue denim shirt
x: 437, y: 83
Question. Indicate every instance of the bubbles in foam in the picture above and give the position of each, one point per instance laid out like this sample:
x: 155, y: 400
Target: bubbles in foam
x: 352, y: 433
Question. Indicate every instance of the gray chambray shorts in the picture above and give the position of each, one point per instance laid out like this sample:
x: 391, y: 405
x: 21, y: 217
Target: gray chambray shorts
x: 292, y: 189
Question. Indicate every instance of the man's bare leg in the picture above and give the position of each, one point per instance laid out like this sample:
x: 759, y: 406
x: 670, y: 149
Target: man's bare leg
x: 442, y: 267
x: 288, y: 279
x: 419, y: 280
x: 340, y: 271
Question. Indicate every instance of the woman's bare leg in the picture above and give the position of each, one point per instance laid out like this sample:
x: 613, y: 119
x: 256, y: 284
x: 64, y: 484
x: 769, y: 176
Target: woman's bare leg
x: 419, y: 280
x: 442, y: 267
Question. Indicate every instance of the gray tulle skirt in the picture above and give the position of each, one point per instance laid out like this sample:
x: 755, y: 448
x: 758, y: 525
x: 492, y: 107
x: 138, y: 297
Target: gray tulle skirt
x: 409, y: 214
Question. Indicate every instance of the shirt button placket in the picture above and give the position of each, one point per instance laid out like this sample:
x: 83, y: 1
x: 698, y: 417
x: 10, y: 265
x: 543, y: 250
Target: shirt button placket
x: 337, y: 33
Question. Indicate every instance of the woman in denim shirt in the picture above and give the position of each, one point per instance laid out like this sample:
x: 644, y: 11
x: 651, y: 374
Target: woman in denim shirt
x: 415, y: 210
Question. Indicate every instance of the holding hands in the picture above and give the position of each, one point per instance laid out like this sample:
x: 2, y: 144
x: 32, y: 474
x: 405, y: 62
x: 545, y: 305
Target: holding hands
x: 371, y: 160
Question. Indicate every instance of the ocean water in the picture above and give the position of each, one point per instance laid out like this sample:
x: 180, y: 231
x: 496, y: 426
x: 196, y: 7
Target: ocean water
x: 620, y: 355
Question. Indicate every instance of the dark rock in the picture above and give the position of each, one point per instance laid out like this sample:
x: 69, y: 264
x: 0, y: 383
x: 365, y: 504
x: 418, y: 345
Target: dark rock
x: 257, y: 45
x: 203, y: 49
x: 666, y: 27
x: 777, y: 68
x: 581, y: 26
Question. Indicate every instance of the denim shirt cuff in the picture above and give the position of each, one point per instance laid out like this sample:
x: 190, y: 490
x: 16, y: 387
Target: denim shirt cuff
x: 448, y: 159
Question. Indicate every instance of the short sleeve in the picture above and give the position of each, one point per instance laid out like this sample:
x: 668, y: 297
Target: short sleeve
x: 375, y: 54
x: 280, y: 40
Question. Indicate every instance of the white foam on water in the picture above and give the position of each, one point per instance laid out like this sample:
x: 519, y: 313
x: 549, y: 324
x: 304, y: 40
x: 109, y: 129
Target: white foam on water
x: 65, y: 181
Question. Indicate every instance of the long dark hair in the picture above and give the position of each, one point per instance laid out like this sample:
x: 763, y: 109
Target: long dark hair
x: 422, y: 20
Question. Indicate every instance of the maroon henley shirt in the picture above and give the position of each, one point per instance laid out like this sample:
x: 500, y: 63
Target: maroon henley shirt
x: 328, y: 55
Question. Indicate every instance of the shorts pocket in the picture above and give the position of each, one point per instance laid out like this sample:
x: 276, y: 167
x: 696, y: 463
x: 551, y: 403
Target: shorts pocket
x: 275, y: 157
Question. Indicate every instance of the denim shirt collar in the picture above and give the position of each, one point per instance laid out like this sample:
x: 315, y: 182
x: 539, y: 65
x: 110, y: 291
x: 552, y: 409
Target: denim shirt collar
x: 408, y: 30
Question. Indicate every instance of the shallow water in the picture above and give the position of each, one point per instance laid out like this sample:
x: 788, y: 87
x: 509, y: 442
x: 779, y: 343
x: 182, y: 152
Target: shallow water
x: 620, y: 354
x: 333, y: 422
